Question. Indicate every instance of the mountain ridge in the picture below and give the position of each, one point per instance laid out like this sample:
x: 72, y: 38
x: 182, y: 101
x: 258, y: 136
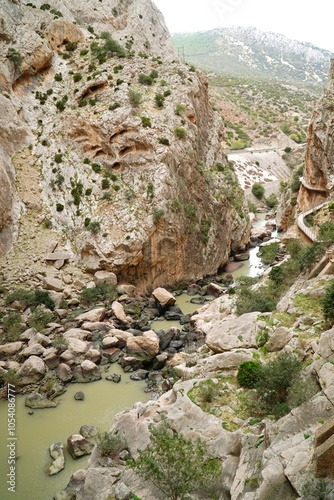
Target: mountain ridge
x: 249, y: 50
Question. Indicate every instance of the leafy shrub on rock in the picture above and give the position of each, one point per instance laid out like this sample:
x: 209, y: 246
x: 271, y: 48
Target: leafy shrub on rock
x: 175, y: 465
x: 249, y: 373
x: 258, y: 190
x: 110, y: 445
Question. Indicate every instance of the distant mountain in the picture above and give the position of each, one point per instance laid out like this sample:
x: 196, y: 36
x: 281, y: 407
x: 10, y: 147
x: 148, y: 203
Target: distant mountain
x: 250, y: 51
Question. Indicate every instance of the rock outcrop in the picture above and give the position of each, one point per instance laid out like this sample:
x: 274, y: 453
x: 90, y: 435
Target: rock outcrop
x: 132, y: 178
x: 319, y: 171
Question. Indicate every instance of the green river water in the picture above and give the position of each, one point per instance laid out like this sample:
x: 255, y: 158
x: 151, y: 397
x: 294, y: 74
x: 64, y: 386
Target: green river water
x: 103, y: 399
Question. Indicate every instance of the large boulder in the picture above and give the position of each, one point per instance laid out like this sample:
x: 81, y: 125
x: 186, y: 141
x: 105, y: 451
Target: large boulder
x: 37, y: 400
x: 144, y: 347
x: 57, y: 453
x: 11, y: 348
x: 93, y: 315
x: 32, y: 371
x: 105, y: 277
x: 163, y: 299
x: 232, y: 333
x: 78, y: 446
x: 119, y: 313
x: 87, y: 372
x: 279, y: 339
x: 76, y: 333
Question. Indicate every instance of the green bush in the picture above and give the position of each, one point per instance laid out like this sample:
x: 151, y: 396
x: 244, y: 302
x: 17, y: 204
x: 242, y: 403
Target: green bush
x: 105, y: 184
x: 94, y: 227
x: 145, y: 79
x: 179, y: 109
x: 157, y: 213
x: 135, y: 98
x: 268, y: 253
x: 59, y: 207
x: 327, y: 303
x: 110, y: 48
x: 175, y: 465
x: 287, y: 149
x: 159, y: 100
x: 12, y: 326
x: 207, y: 391
x: 58, y: 158
x: 114, y: 106
x: 180, y: 132
x: 238, y: 145
x: 276, y: 378
x: 252, y: 207
x: 101, y: 293
x: 249, y: 373
x: 110, y: 445
x: 164, y: 141
x: 39, y: 319
x: 261, y: 300
x: 71, y: 46
x: 258, y: 190
x: 146, y: 121
x: 31, y: 298
x: 96, y: 167
x: 271, y: 201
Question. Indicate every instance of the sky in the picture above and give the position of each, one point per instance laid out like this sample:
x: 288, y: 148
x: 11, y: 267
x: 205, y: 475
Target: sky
x: 297, y: 19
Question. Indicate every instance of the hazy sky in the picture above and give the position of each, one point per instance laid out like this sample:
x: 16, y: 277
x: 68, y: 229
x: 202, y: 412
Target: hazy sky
x: 298, y: 19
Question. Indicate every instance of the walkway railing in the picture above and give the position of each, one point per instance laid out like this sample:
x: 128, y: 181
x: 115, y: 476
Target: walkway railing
x: 311, y: 234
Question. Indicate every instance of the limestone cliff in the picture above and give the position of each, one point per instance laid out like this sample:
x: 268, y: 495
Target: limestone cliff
x: 126, y: 144
x: 319, y: 169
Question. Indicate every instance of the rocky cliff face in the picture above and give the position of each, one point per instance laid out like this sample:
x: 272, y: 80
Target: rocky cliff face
x: 319, y: 170
x: 123, y: 138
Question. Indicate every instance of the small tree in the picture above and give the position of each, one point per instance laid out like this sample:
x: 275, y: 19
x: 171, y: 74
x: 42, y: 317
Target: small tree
x: 135, y: 98
x: 175, y: 465
x: 258, y: 190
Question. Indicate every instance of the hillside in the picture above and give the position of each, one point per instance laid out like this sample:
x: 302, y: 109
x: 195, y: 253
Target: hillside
x: 250, y: 51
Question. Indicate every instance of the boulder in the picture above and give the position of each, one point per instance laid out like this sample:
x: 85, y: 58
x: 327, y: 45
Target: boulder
x: 79, y: 396
x: 60, y: 255
x: 144, y: 347
x: 11, y: 348
x: 93, y: 355
x: 119, y: 312
x: 76, y: 333
x: 121, y: 491
x: 214, y: 289
x: 41, y: 339
x: 109, y: 342
x: 232, y: 333
x: 114, y: 377
x: 126, y: 289
x: 33, y: 350
x: 53, y: 284
x: 61, y: 31
x: 51, y: 358
x: 163, y: 299
x: 64, y: 372
x: 93, y: 315
x: 32, y: 370
x: 130, y: 363
x: 57, y: 453
x: 87, y: 372
x: 37, y: 400
x: 77, y: 346
x: 88, y: 431
x: 105, y: 277
x: 279, y: 339
x: 78, y: 446
x: 121, y: 336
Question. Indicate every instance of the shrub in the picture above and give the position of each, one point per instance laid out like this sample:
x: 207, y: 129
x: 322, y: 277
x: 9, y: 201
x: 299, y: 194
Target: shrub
x: 31, y: 298
x: 114, y: 106
x: 58, y: 158
x: 135, y: 98
x: 180, y: 132
x: 12, y: 326
x: 159, y: 100
x: 96, y: 167
x: 326, y: 233
x: 271, y: 201
x: 157, y: 213
x: 258, y: 190
x: 252, y: 207
x: 268, y: 253
x: 83, y: 52
x: 164, y: 141
x: 82, y: 102
x: 59, y: 207
x: 145, y: 79
x: 207, y: 391
x: 328, y: 303
x: 60, y: 105
x: 154, y: 74
x: 71, y: 46
x: 176, y: 465
x: 238, y: 145
x: 249, y: 373
x: 275, y: 380
x: 287, y: 149
x: 179, y: 109
x: 39, y: 319
x: 260, y: 300
x: 105, y: 184
x: 109, y: 49
x: 94, y: 227
x: 110, y: 445
x: 146, y: 122
x: 101, y: 293
x: 14, y: 56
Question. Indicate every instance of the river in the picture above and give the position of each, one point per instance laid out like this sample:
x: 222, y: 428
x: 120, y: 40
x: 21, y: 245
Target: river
x: 103, y: 399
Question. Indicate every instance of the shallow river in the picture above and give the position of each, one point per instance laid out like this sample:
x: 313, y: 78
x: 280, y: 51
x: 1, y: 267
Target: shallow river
x: 103, y: 399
